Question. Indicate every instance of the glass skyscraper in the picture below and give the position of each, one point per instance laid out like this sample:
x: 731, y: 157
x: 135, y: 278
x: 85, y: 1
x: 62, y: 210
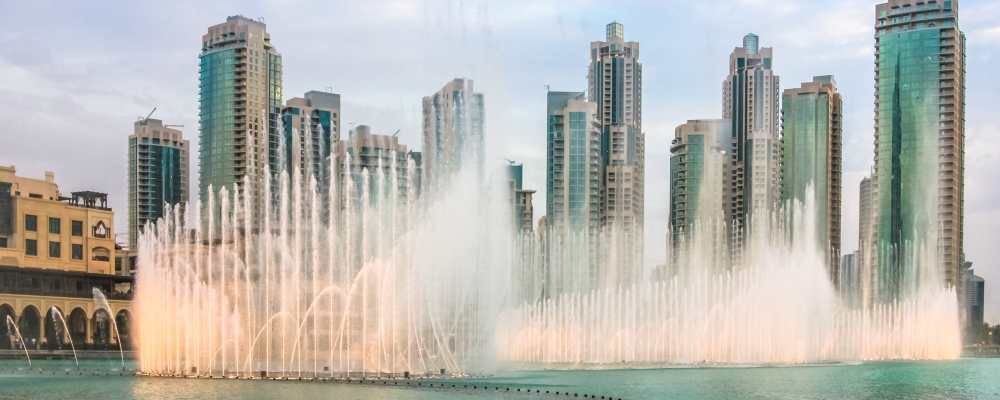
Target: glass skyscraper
x: 158, y: 169
x: 615, y: 85
x: 698, y: 176
x: 920, y: 138
x: 240, y: 102
x: 573, y: 193
x: 811, y: 126
x: 750, y: 100
x: 452, y: 132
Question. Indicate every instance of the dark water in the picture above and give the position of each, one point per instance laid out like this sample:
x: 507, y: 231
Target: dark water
x: 959, y: 379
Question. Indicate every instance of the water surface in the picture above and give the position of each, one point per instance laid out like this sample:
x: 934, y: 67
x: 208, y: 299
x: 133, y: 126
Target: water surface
x: 959, y: 379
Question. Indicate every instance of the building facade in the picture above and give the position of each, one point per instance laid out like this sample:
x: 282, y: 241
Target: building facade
x: 698, y: 190
x: 378, y: 156
x: 521, y: 208
x: 975, y: 291
x: 310, y: 131
x: 919, y: 139
x: 750, y: 101
x: 573, y: 203
x: 452, y: 132
x: 240, y: 103
x: 811, y: 158
x: 159, y: 166
x: 56, y: 251
x: 615, y: 85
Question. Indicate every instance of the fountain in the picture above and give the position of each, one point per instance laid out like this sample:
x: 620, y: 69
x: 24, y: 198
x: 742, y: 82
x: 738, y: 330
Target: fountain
x: 55, y: 311
x: 363, y: 275
x: 355, y: 278
x: 101, y: 302
x: 10, y: 323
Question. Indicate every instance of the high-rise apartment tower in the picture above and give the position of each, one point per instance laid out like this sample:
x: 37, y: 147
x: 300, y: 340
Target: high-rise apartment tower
x: 240, y: 101
x: 159, y: 166
x: 919, y: 139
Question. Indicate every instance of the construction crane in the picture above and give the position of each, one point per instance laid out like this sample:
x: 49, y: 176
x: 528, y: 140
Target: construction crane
x: 147, y: 117
x: 510, y: 161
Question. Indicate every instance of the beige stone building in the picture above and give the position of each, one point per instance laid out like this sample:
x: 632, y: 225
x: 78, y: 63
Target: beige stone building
x: 54, y: 251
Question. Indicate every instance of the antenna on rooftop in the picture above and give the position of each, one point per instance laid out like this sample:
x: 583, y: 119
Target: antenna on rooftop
x: 509, y: 160
x: 547, y: 88
x: 397, y: 131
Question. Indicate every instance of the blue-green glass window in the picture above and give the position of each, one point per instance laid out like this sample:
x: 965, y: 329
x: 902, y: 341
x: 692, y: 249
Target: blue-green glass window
x: 30, y: 247
x: 77, y: 251
x: 77, y: 228
x: 31, y: 223
x: 55, y: 225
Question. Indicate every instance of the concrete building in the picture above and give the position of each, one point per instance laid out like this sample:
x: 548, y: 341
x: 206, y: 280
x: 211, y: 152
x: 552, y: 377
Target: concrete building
x: 615, y: 85
x: 380, y: 156
x: 974, y: 298
x: 573, y: 201
x: 452, y: 132
x: 54, y: 251
x: 919, y: 138
x: 310, y: 129
x: 811, y: 158
x: 750, y: 100
x: 159, y: 166
x: 240, y: 103
x: 698, y: 187
x: 521, y: 207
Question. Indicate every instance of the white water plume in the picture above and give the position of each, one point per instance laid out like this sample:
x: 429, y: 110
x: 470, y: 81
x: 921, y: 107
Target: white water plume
x: 354, y: 278
x: 779, y: 308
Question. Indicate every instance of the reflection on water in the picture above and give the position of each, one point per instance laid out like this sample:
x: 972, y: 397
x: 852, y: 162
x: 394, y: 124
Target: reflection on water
x: 964, y: 378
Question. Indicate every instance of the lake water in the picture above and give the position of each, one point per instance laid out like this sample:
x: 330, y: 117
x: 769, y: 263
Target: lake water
x: 964, y: 378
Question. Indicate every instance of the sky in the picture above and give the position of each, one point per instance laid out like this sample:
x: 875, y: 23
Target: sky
x: 75, y: 76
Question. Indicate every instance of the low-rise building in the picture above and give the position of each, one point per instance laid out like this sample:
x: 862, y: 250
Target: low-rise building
x: 54, y: 251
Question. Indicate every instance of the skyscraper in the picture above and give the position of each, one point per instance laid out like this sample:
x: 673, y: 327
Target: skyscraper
x: 750, y: 100
x: 159, y: 165
x: 698, y: 185
x: 865, y: 260
x: 811, y: 146
x: 573, y: 193
x: 919, y: 138
x: 311, y: 129
x: 240, y: 100
x: 520, y: 199
x: 452, y: 132
x: 615, y: 85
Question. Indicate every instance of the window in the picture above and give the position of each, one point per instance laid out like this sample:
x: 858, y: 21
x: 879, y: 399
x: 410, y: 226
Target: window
x: 30, y: 223
x: 54, y: 250
x: 55, y: 225
x: 77, y: 251
x: 3, y: 243
x: 77, y: 228
x: 31, y: 247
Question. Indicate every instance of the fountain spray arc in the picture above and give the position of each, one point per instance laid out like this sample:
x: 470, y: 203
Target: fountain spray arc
x: 356, y: 275
x: 778, y: 307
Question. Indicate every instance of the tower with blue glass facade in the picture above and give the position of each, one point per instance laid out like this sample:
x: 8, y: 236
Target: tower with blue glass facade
x: 159, y: 165
x: 573, y: 196
x: 918, y: 180
x: 615, y: 87
x: 310, y: 129
x: 811, y: 120
x: 750, y: 101
x: 452, y: 133
x: 240, y: 103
